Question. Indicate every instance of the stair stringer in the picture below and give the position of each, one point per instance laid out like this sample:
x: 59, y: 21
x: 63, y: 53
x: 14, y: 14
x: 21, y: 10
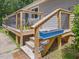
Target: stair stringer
x: 49, y: 45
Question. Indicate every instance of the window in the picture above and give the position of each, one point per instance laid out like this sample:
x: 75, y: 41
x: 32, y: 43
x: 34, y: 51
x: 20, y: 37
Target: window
x: 35, y: 15
x: 36, y: 9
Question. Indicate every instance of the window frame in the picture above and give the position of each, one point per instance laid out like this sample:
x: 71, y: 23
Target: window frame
x: 35, y: 16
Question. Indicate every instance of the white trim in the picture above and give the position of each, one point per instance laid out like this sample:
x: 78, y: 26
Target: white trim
x: 35, y: 7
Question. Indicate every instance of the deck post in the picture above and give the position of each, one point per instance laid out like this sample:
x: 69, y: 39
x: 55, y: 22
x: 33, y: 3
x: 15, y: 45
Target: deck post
x: 21, y: 40
x: 24, y: 26
x: 16, y: 28
x: 59, y: 19
x: 21, y: 29
x: 16, y: 21
x: 37, y: 45
x: 21, y: 25
x: 69, y: 21
x: 17, y: 40
x: 59, y: 42
x: 59, y: 46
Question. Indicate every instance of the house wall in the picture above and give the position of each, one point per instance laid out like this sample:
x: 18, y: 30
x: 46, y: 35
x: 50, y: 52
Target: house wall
x: 51, y: 5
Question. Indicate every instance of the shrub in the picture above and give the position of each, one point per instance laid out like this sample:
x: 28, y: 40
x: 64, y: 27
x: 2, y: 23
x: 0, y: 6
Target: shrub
x: 75, y: 27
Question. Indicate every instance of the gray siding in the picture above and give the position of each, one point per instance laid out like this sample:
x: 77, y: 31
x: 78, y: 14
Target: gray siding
x: 51, y: 24
x: 64, y: 21
x: 51, y: 5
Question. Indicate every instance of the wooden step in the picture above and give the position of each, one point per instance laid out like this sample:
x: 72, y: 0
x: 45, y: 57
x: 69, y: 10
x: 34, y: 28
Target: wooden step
x: 44, y: 42
x: 28, y: 51
x: 30, y: 44
x: 32, y: 38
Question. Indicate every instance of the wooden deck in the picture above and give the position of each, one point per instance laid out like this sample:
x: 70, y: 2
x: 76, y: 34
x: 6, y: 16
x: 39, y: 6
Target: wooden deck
x: 18, y: 32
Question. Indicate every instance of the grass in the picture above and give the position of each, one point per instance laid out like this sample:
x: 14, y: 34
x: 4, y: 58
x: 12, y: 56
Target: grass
x: 69, y: 53
x: 13, y: 38
x: 1, y: 29
x: 11, y: 35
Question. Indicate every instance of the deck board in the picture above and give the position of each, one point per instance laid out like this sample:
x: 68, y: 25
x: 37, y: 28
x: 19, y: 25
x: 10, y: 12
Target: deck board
x: 18, y: 32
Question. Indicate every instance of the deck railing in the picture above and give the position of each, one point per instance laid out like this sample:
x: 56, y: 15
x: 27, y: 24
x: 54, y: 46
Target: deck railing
x: 37, y: 25
x: 20, y: 19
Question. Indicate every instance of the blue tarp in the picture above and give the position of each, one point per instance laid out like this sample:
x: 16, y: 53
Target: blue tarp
x: 50, y: 34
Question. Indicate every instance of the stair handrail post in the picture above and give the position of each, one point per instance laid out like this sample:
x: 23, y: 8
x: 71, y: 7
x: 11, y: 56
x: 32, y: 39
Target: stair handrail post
x: 60, y: 46
x: 59, y: 19
x: 21, y: 25
x: 69, y: 20
x: 37, y: 44
x: 16, y: 28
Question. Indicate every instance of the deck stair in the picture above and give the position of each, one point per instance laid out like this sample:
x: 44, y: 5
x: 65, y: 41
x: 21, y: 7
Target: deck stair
x: 30, y: 44
x: 29, y: 48
x: 28, y: 51
x: 44, y: 40
x: 32, y: 38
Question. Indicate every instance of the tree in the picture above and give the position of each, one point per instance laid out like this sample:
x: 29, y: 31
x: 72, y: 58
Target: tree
x: 9, y: 6
x: 1, y: 10
x: 75, y: 28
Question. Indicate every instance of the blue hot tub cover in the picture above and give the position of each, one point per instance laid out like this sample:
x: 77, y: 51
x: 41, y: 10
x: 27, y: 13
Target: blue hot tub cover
x: 50, y: 34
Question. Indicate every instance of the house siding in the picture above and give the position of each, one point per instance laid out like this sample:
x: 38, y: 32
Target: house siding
x: 51, y: 5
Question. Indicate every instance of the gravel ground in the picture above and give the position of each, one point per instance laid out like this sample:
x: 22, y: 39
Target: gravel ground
x: 6, y: 47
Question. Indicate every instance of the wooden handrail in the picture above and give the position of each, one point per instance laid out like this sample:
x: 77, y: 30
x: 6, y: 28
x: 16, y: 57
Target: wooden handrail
x: 42, y: 21
x: 65, y: 10
x: 32, y: 12
x: 24, y: 11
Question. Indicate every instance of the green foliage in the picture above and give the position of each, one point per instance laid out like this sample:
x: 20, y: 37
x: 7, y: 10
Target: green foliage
x: 76, y: 10
x: 1, y: 30
x: 9, y: 6
x: 75, y: 28
x: 68, y: 53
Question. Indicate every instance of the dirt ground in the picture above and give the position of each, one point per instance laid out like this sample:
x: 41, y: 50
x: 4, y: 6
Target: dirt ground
x: 7, y: 46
